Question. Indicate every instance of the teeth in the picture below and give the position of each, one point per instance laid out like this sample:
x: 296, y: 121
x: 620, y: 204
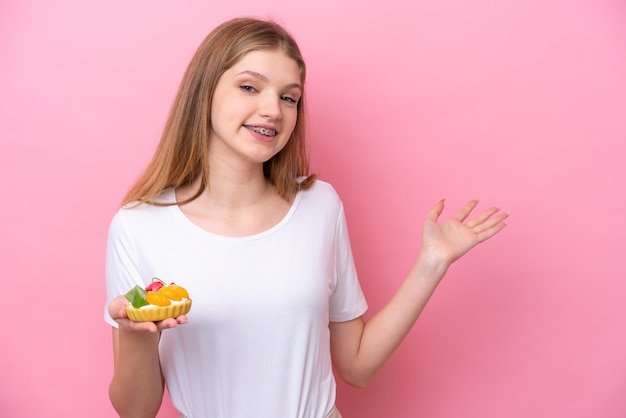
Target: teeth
x: 263, y: 131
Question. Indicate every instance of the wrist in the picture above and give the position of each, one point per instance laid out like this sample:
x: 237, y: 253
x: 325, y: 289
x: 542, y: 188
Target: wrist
x: 141, y: 339
x: 431, y: 264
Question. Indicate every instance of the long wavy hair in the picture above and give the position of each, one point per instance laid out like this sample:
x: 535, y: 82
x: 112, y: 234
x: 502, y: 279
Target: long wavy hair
x: 182, y: 154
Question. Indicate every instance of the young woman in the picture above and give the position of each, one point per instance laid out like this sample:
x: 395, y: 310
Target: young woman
x: 228, y: 209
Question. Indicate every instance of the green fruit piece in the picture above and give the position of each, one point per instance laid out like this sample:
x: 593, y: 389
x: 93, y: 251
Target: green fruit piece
x: 137, y: 297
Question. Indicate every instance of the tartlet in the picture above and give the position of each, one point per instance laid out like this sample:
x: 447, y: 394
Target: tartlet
x: 157, y: 301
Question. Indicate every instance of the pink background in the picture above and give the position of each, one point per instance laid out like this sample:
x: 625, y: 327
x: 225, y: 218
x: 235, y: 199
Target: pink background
x: 520, y: 103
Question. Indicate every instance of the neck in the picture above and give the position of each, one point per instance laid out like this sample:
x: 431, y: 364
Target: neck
x: 230, y: 187
x: 235, y: 190
x: 236, y: 202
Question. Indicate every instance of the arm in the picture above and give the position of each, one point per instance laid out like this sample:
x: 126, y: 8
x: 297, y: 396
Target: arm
x: 358, y: 348
x: 136, y: 389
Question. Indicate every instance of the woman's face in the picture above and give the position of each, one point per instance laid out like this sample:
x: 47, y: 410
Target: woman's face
x: 254, y: 108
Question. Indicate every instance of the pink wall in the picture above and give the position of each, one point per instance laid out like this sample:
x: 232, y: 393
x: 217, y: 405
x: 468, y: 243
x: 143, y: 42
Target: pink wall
x: 520, y: 103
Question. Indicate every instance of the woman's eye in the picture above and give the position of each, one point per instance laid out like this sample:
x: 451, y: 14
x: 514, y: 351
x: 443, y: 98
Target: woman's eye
x: 247, y: 88
x: 289, y: 99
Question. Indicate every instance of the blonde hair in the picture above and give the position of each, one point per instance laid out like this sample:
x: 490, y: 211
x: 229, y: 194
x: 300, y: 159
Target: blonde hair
x: 182, y: 154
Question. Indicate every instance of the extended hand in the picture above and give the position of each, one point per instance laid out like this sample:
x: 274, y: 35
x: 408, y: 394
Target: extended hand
x: 448, y: 241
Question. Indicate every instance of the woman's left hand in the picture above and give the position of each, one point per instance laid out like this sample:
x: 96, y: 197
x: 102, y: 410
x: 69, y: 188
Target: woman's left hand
x: 446, y: 242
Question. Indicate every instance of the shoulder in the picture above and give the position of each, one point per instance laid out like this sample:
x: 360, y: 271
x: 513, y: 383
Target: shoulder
x: 322, y: 190
x: 321, y: 199
x: 133, y: 216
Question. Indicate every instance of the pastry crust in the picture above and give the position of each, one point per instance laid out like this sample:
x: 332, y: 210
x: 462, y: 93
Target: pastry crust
x: 158, y: 313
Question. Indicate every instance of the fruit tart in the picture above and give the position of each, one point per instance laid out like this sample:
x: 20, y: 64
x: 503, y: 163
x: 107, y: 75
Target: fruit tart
x: 157, y: 301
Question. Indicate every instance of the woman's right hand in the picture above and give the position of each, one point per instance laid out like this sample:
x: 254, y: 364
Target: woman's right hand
x: 117, y: 310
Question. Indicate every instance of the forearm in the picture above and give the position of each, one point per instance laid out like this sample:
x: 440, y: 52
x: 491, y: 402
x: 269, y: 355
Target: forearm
x: 136, y: 389
x: 385, y: 331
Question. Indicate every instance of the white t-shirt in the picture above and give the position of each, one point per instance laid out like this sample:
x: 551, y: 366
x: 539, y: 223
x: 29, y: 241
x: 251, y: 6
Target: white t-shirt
x: 257, y: 343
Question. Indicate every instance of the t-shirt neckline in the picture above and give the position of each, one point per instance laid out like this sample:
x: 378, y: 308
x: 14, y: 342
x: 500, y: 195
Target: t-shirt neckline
x: 170, y: 196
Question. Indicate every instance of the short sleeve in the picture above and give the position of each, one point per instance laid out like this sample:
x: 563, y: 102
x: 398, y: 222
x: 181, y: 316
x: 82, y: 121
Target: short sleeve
x: 347, y: 300
x: 121, y: 272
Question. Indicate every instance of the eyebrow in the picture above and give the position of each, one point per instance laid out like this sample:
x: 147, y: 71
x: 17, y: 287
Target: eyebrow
x: 265, y: 79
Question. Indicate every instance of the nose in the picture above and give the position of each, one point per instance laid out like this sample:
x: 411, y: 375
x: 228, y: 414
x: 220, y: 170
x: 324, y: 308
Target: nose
x: 271, y: 106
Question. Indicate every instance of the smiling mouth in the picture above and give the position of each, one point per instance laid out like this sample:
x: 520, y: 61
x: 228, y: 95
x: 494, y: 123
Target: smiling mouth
x: 262, y: 131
